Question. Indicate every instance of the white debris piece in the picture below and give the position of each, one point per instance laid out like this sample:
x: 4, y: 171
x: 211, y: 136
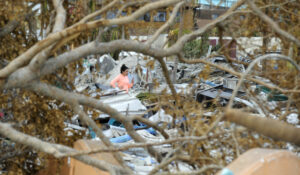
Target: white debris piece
x: 83, y: 81
x: 108, y: 133
x: 184, y: 88
x: 86, y: 79
x: 161, y: 116
x: 292, y: 118
x: 117, y: 131
x: 124, y: 103
x: 69, y: 125
x: 106, y: 64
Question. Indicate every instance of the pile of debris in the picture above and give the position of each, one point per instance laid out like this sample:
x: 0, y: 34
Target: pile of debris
x: 96, y: 82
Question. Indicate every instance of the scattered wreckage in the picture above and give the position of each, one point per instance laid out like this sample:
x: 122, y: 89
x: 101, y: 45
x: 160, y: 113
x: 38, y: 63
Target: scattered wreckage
x: 219, y: 87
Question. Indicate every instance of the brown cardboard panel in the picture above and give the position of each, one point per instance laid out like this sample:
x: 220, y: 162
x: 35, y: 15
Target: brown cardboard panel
x: 265, y: 162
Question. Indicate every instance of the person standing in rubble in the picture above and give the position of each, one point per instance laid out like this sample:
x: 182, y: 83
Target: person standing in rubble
x: 122, y: 80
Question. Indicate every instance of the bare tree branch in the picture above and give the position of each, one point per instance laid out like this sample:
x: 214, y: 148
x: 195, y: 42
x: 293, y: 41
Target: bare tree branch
x: 237, y: 148
x: 8, y: 28
x: 20, y: 74
x: 98, y: 12
x: 273, y: 24
x: 168, y: 80
x: 195, y: 61
x: 269, y: 127
x: 166, y: 25
x: 7, y: 131
x: 54, y: 37
x: 177, y: 47
x: 136, y: 145
x: 115, y: 45
x: 17, y: 79
x: 253, y: 63
x: 53, y: 149
x: 163, y: 164
x: 13, y: 24
x: 72, y: 98
x: 128, y: 4
x: 99, y: 133
x: 59, y: 24
x: 103, y: 165
x: 60, y: 18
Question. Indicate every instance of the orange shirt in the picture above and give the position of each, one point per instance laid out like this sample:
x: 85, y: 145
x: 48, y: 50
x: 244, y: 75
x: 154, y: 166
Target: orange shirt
x: 123, y: 82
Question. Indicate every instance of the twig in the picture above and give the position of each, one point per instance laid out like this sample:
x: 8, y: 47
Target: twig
x: 235, y: 142
x: 168, y: 159
x: 181, y: 41
x: 169, y: 141
x: 290, y: 99
x: 13, y: 24
x: 98, y: 12
x: 214, y: 124
x: 253, y: 63
x: 195, y: 61
x: 168, y: 80
x: 151, y: 124
x: 162, y: 165
x: 201, y: 170
x: 128, y: 4
x: 98, y: 131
